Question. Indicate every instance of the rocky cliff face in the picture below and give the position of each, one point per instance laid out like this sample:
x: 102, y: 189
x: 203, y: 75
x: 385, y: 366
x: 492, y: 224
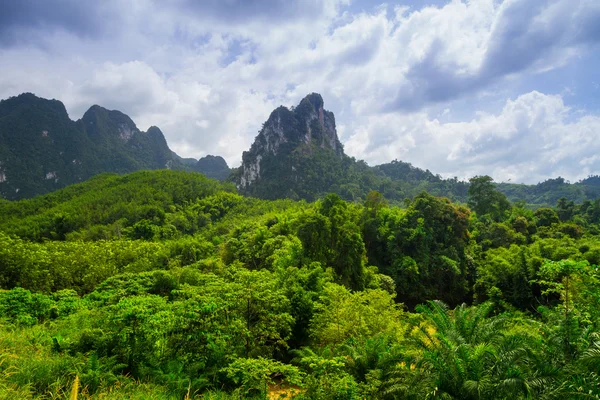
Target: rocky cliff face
x: 324, y: 132
x: 286, y: 131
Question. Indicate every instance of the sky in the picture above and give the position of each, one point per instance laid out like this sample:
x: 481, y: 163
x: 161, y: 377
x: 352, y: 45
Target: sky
x: 506, y: 88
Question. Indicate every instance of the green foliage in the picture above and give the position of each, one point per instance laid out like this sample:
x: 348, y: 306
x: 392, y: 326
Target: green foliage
x: 24, y: 307
x: 167, y: 285
x: 545, y: 217
x: 466, y: 355
x: 342, y: 315
x: 426, y: 251
x: 254, y: 374
x: 484, y: 199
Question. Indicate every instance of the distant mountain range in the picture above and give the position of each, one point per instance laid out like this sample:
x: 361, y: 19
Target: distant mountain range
x: 42, y: 149
x: 297, y: 154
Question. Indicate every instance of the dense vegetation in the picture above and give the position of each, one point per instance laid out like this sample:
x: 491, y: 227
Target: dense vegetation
x: 318, y: 171
x: 168, y: 285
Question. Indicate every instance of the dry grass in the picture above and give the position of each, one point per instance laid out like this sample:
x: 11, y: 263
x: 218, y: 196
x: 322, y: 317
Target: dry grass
x: 75, y: 389
x: 278, y: 392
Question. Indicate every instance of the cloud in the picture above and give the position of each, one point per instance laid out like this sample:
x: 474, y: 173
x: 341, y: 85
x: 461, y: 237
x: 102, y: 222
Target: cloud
x: 268, y: 11
x: 26, y: 21
x: 196, y: 118
x: 533, y: 137
x: 208, y: 73
x: 35, y: 22
x: 514, y: 36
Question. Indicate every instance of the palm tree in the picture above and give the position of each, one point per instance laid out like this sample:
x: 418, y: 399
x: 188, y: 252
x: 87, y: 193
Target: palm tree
x: 370, y: 354
x: 581, y: 377
x: 466, y: 355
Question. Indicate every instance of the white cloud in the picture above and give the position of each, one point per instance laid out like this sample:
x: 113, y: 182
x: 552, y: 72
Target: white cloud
x: 208, y: 76
x: 532, y: 138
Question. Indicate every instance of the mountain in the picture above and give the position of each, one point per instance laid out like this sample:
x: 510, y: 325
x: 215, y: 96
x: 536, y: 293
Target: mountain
x: 213, y: 167
x: 297, y: 154
x: 42, y: 149
x: 273, y: 167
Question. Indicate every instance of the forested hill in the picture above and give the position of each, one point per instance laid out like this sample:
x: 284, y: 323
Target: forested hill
x: 297, y: 154
x: 399, y: 178
x: 42, y: 149
x: 108, y: 203
x: 169, y: 285
x: 552, y: 190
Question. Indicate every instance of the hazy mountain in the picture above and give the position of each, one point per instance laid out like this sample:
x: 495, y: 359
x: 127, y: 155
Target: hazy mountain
x: 213, y: 167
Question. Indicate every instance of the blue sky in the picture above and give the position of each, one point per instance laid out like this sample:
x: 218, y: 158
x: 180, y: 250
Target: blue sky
x: 508, y: 88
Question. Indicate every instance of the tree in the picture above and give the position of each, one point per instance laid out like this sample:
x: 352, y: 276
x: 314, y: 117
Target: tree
x: 255, y: 374
x: 332, y: 237
x: 427, y: 251
x: 265, y: 312
x: 468, y: 355
x: 343, y: 315
x: 565, y: 208
x: 140, y: 328
x: 485, y: 199
x: 557, y: 277
x: 374, y: 202
x: 546, y: 217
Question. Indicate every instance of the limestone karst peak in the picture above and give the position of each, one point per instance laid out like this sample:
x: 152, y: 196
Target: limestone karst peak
x: 305, y: 129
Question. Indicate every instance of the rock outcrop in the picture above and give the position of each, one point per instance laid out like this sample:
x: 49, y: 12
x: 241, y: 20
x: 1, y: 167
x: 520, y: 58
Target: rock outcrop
x: 286, y: 131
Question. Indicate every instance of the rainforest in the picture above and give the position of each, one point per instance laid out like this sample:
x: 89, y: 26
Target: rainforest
x: 169, y: 285
x: 300, y: 199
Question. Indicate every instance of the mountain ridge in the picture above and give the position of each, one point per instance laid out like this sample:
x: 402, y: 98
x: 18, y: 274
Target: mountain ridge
x: 297, y: 154
x: 42, y: 149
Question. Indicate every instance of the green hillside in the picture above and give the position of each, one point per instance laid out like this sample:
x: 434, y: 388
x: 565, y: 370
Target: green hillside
x: 168, y: 285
